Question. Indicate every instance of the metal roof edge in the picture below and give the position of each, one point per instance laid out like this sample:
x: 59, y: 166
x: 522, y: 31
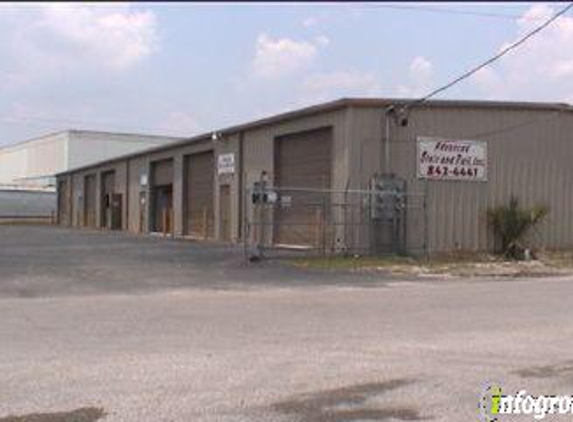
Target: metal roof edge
x: 109, y: 132
x: 289, y: 115
x: 371, y: 102
x: 34, y: 139
x: 71, y: 132
x: 327, y: 107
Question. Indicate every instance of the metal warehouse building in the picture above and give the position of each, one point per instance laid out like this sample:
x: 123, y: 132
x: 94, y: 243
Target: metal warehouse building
x: 32, y: 164
x: 354, y: 175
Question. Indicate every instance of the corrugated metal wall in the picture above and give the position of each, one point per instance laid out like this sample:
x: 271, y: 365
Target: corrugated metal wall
x: 90, y: 200
x: 199, y: 194
x: 529, y: 155
x: 17, y: 203
x: 302, y: 160
x: 137, y: 194
x: 259, y: 152
x: 234, y: 181
x: 36, y: 158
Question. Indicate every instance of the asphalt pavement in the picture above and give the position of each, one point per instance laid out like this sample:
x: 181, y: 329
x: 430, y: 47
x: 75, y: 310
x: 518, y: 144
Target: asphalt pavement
x: 112, y: 327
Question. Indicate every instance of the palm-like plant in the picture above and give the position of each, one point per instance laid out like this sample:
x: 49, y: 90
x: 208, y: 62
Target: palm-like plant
x: 510, y: 224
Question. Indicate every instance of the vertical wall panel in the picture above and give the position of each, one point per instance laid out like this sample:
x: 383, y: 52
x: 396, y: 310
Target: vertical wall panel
x: 90, y: 200
x: 528, y: 155
x: 199, y: 180
x: 302, y: 160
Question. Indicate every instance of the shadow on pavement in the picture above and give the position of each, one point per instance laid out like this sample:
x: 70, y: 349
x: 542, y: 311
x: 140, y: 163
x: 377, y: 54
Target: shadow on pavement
x: 347, y: 404
x: 549, y: 371
x: 84, y: 414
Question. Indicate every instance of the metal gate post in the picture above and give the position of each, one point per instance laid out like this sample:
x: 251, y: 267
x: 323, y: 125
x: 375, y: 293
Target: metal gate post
x: 323, y: 225
x: 426, y: 219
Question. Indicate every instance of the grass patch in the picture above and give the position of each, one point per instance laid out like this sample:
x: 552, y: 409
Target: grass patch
x: 351, y: 262
x: 459, y: 264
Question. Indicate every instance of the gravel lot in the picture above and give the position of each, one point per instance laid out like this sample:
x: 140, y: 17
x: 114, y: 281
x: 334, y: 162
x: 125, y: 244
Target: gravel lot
x: 111, y: 327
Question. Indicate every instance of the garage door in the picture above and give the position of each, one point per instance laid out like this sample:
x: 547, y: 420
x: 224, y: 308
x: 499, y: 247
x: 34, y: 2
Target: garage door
x: 303, y: 160
x: 199, y: 176
x: 162, y: 196
x: 162, y: 172
x: 107, y: 190
x: 90, y: 201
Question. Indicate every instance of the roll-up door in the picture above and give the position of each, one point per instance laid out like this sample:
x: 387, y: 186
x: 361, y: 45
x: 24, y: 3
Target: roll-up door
x: 107, y: 191
x: 303, y: 160
x: 90, y: 200
x: 162, y: 196
x: 163, y: 173
x: 199, y: 177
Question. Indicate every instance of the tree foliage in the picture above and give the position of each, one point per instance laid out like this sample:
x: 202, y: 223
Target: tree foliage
x: 510, y: 224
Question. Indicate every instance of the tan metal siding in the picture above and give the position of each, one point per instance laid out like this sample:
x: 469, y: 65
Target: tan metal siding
x: 531, y: 160
x: 259, y: 151
x: 199, y: 194
x: 231, y: 144
x: 225, y: 212
x: 529, y: 152
x: 162, y: 172
x: 90, y: 200
x: 303, y: 160
x: 107, y: 191
x: 161, y: 198
x: 64, y: 201
x: 136, y: 191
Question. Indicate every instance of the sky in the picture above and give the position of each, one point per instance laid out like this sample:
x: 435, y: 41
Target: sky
x: 182, y: 69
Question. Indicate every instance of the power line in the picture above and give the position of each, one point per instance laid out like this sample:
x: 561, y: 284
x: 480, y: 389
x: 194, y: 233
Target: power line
x: 493, y: 59
x: 522, y: 125
x: 443, y: 10
x: 496, y: 131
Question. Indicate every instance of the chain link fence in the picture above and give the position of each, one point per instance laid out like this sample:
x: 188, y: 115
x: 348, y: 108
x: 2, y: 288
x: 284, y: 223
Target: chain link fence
x: 21, y: 207
x: 314, y: 222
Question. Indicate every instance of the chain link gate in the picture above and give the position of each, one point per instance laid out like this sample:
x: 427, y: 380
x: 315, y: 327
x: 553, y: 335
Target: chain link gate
x: 382, y: 220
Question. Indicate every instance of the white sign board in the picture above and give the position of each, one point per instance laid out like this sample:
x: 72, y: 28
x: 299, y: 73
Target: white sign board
x: 226, y: 163
x: 444, y: 159
x: 143, y: 179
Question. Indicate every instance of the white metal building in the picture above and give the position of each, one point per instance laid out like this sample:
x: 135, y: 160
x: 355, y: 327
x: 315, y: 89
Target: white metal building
x: 32, y: 164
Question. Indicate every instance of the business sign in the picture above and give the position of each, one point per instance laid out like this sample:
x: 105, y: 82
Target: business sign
x: 444, y: 159
x: 226, y: 163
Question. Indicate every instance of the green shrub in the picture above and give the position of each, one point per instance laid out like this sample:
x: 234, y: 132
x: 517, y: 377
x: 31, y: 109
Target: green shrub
x: 510, y: 224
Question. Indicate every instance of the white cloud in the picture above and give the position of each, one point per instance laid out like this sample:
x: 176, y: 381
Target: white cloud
x: 275, y: 58
x: 310, y: 22
x: 43, y: 40
x: 532, y: 17
x: 181, y: 123
x: 118, y: 36
x: 539, y: 70
x: 420, y: 75
x: 421, y: 69
x: 490, y: 83
x: 322, y: 41
x: 322, y: 86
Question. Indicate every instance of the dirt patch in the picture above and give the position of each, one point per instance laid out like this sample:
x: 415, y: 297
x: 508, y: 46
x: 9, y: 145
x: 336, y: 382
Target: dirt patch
x: 84, y: 414
x: 347, y: 404
x: 452, y: 265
